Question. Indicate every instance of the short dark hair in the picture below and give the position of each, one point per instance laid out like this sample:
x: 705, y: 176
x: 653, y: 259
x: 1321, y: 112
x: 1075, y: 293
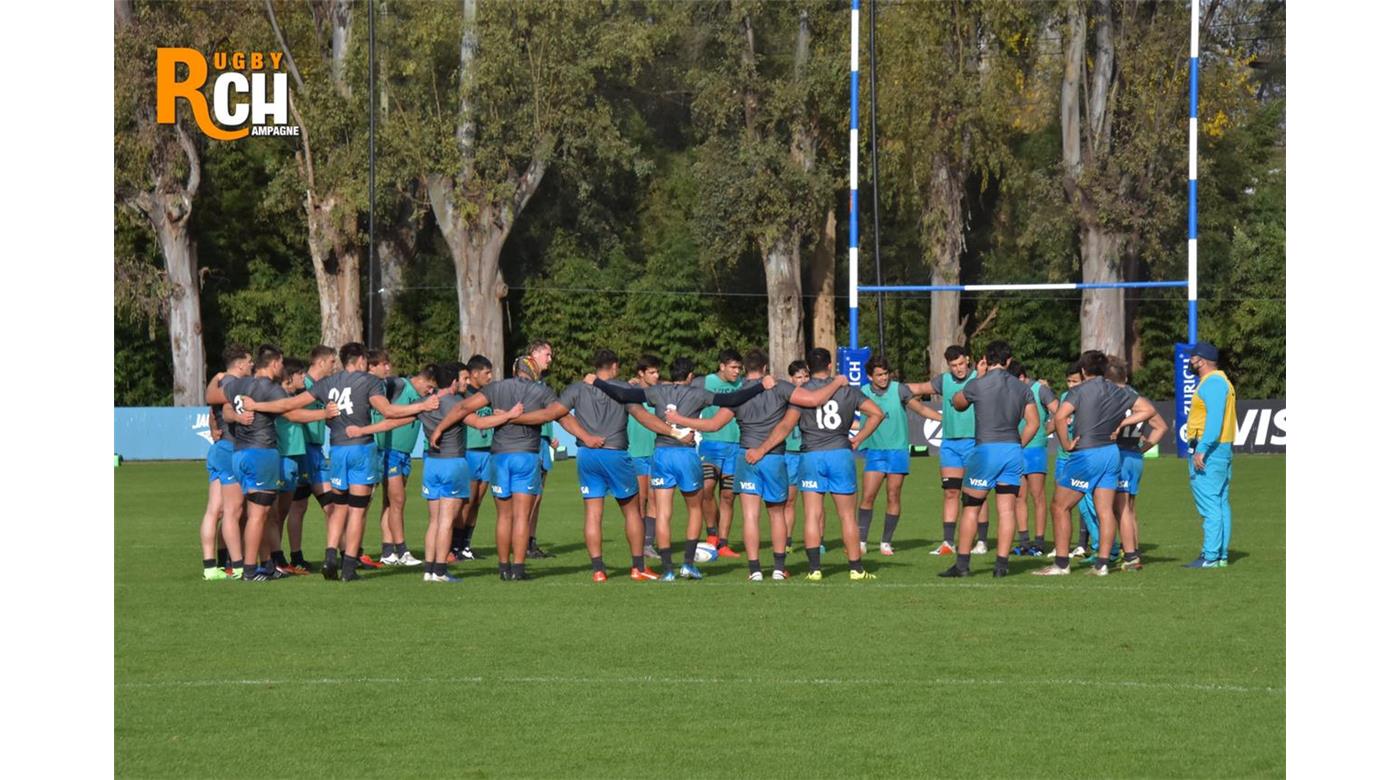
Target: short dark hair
x: 293, y: 365
x: 377, y: 356
x: 998, y: 353
x: 681, y: 368
x: 1116, y: 371
x: 319, y: 351
x: 430, y: 371
x: 457, y: 366
x: 444, y: 374
x: 755, y: 360
x: 266, y: 355
x: 954, y: 352
x: 879, y: 361
x: 819, y: 359
x: 648, y: 361
x: 730, y: 356
x: 605, y: 357
x: 351, y: 352
x: 1093, y: 362
x: 536, y: 344
x: 1015, y: 369
x: 1073, y: 369
x: 477, y: 363
x: 234, y: 353
x: 797, y: 365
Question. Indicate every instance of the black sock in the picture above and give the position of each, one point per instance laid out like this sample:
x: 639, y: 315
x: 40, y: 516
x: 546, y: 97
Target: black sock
x: 235, y: 565
x: 208, y: 563
x: 1100, y: 562
x: 401, y: 549
x: 982, y: 531
x: 649, y: 530
x: 597, y: 562
x: 780, y: 561
x: 712, y: 532
x: 1130, y: 556
x: 222, y: 559
x: 948, y: 530
x: 532, y: 545
x: 517, y: 570
x: 1062, y: 563
x: 386, y: 549
x: 814, y: 558
x: 1023, y: 536
x: 891, y: 522
x: 1040, y: 541
x: 347, y: 565
x: 666, y: 564
x: 723, y: 542
x: 458, y: 538
x: 467, y: 536
x: 331, y: 556
x: 638, y: 562
x: 503, y: 568
x: 856, y: 565
x: 964, y: 561
x: 754, y: 567
x: 1003, y: 562
x: 690, y: 545
x: 297, y: 559
x: 278, y: 559
x: 866, y: 515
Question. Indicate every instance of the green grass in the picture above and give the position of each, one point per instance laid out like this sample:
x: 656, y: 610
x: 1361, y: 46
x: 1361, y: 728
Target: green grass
x: 1165, y: 672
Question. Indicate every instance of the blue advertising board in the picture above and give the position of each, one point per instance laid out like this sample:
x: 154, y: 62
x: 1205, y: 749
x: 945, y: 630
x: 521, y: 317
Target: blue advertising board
x: 1185, y: 390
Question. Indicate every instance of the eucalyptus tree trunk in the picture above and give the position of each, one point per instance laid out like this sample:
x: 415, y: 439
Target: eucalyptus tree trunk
x: 944, y: 243
x: 823, y: 281
x: 782, y: 270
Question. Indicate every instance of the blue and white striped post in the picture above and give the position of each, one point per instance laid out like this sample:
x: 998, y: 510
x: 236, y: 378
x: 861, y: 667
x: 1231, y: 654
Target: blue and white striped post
x: 853, y: 252
x: 1191, y: 181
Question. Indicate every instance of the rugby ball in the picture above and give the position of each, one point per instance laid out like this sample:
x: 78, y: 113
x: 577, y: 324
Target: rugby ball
x: 705, y: 552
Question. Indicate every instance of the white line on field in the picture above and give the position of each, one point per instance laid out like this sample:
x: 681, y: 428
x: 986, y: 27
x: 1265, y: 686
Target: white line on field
x: 658, y: 680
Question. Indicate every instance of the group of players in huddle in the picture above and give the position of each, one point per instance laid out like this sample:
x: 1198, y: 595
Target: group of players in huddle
x: 762, y: 439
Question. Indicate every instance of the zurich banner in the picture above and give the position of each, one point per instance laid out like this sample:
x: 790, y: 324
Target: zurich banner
x: 1185, y: 390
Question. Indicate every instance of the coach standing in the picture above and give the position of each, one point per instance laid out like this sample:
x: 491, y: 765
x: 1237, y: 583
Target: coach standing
x: 1210, y: 430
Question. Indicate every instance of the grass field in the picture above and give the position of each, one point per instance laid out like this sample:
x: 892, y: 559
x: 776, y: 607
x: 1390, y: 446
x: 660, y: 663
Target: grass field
x: 1164, y: 672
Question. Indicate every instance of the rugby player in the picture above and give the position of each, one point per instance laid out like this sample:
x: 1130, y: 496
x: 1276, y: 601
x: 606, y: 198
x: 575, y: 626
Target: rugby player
x: 396, y: 445
x: 476, y: 374
x: 828, y: 463
x: 792, y: 453
x: 719, y: 455
x: 1036, y: 466
x: 761, y: 476
x: 541, y: 355
x: 296, y: 478
x: 321, y: 364
x: 958, y: 439
x: 887, y: 450
x: 1099, y: 409
x: 676, y: 464
x: 641, y: 443
x: 1131, y: 444
x: 224, y: 509
x: 1001, y: 402
x: 608, y: 468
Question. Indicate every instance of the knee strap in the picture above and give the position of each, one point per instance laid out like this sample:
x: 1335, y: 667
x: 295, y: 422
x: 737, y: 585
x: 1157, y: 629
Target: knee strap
x: 970, y: 500
x: 710, y: 471
x: 952, y: 483
x: 331, y: 497
x: 727, y: 483
x: 262, y: 499
x: 357, y: 502
x: 1004, y: 490
x: 302, y: 493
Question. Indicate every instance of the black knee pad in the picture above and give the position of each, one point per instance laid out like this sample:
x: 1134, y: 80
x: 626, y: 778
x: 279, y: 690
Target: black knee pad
x: 334, y: 498
x: 1008, y: 490
x: 302, y: 493
x: 952, y: 483
x: 710, y: 472
x: 969, y: 500
x: 262, y: 499
x: 357, y: 502
x: 727, y: 483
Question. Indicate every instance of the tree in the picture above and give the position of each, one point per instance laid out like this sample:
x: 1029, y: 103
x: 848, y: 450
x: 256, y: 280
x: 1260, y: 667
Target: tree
x: 158, y: 175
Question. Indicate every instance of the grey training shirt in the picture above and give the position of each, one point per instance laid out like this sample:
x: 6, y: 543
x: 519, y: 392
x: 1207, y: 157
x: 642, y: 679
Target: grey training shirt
x: 686, y: 400
x: 999, y: 402
x: 452, y: 442
x: 505, y: 393
x: 1130, y: 437
x: 350, y: 391
x: 1099, y: 406
x: 262, y: 433
x: 597, y: 413
x: 828, y: 426
x: 762, y: 413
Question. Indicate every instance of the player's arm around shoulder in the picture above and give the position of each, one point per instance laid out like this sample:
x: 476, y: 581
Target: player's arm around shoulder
x: 801, y: 396
x: 871, y: 416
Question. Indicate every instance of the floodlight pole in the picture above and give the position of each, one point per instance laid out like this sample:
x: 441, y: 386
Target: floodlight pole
x: 1191, y: 181
x: 875, y: 183
x: 853, y: 251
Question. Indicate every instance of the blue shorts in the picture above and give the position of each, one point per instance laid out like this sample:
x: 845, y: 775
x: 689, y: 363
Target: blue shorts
x: 1129, y: 472
x: 794, y: 466
x: 828, y: 471
x: 601, y: 472
x: 446, y: 478
x: 219, y: 462
x: 1089, y: 470
x: 515, y: 472
x: 676, y: 467
x: 397, y: 464
x: 641, y: 467
x: 719, y: 456
x: 995, y: 463
x: 953, y: 453
x: 478, y: 465
x: 887, y: 461
x: 317, y: 467
x: 767, y: 479
x: 354, y: 464
x: 1033, y: 460
x: 259, y: 469
x: 292, y: 470
x: 546, y: 455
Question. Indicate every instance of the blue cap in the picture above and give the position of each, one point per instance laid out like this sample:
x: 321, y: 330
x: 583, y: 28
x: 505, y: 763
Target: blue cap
x: 1206, y: 351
